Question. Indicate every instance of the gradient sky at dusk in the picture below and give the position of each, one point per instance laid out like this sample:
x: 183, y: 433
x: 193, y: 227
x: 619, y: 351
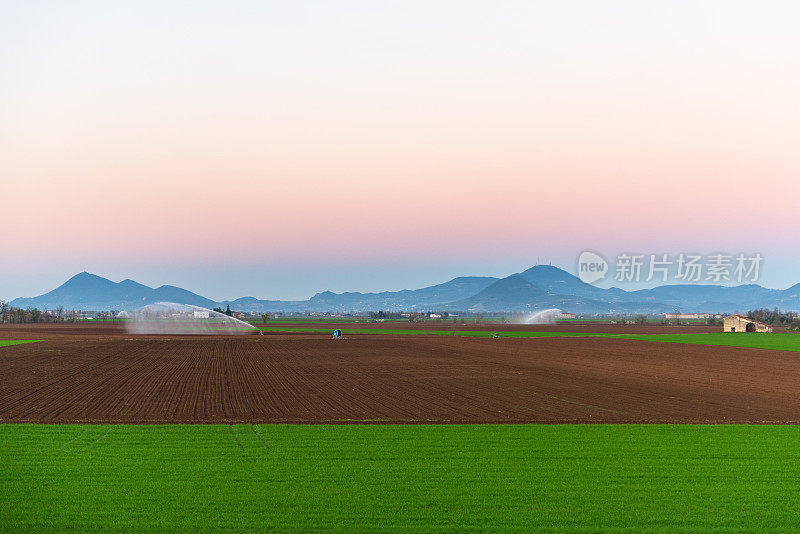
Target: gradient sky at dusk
x: 277, y: 149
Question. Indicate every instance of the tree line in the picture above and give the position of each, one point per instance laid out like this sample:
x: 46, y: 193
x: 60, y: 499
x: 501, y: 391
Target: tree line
x: 227, y: 311
x: 775, y: 317
x: 411, y: 317
x: 11, y: 314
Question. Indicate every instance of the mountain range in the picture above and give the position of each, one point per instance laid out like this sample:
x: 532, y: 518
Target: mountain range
x: 540, y: 287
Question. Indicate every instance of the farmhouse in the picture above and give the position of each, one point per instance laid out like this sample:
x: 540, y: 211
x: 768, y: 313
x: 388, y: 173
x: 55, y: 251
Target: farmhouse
x: 740, y: 323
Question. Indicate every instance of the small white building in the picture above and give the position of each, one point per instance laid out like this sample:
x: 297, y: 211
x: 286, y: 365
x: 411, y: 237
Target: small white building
x: 199, y: 314
x: 687, y: 315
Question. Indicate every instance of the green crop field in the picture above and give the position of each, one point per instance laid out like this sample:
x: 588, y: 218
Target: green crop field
x: 7, y: 343
x: 421, y: 332
x: 411, y: 331
x: 315, y: 319
x: 399, y: 477
x: 364, y: 319
x: 787, y: 341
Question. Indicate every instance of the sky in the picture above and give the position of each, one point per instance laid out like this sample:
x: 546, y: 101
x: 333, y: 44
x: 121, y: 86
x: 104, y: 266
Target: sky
x: 278, y: 149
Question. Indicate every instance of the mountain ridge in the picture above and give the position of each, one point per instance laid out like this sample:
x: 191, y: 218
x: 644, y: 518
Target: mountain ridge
x: 539, y: 287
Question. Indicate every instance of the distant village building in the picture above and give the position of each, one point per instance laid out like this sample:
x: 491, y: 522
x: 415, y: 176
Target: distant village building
x: 690, y: 316
x: 740, y: 323
x: 201, y: 314
x: 566, y: 315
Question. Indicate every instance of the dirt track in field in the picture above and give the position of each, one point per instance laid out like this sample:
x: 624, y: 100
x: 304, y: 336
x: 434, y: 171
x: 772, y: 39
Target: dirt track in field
x: 94, y: 374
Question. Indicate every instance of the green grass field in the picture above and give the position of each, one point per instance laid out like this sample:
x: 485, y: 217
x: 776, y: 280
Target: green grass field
x: 411, y: 332
x: 7, y: 343
x: 315, y: 319
x: 364, y: 319
x: 399, y: 477
x: 788, y: 341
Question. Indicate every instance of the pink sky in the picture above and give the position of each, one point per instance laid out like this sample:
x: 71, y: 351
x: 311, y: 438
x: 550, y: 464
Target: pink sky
x: 275, y: 135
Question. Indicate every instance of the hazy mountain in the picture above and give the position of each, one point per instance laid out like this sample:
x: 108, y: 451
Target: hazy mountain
x: 517, y: 294
x: 559, y: 281
x: 407, y: 299
x: 540, y: 287
x: 788, y: 298
x: 686, y: 298
x: 417, y: 299
x: 692, y: 297
x: 513, y: 293
x: 176, y: 294
x: 86, y: 291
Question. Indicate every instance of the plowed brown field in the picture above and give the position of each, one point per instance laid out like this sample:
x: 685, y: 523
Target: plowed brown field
x: 96, y: 373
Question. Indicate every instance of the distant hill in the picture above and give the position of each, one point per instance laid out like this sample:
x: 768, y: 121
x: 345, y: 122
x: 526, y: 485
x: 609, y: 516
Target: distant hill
x: 86, y: 291
x: 540, y: 287
x: 407, y: 299
x: 518, y: 293
x: 515, y: 293
x: 558, y: 281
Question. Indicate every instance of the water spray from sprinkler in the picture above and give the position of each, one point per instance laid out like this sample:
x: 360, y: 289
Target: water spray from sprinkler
x: 184, y: 319
x: 549, y: 316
